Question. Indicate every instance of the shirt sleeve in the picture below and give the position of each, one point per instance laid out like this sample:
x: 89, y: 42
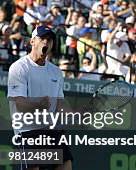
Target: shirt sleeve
x: 17, y: 81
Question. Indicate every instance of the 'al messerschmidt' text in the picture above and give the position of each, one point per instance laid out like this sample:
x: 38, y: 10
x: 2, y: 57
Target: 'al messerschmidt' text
x: 73, y: 140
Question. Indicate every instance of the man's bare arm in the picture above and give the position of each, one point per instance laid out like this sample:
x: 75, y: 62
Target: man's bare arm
x: 29, y: 104
x: 112, y: 35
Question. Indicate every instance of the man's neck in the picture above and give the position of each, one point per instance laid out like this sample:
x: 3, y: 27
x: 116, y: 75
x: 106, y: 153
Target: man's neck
x: 40, y: 61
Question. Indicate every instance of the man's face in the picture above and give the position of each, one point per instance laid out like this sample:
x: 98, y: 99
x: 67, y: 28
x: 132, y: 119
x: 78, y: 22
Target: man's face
x: 81, y: 22
x: 75, y: 16
x: 99, y: 10
x: 55, y: 11
x: 86, y: 62
x: 124, y: 5
x: 42, y: 45
x: 118, y: 42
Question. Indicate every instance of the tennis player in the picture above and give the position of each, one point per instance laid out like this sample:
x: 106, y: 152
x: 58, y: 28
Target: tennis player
x: 34, y: 82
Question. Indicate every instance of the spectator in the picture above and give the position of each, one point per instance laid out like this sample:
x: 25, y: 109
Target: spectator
x: 72, y: 17
x: 125, y: 10
x: 86, y: 42
x: 89, y: 65
x: 30, y: 16
x: 71, y: 41
x: 55, y: 2
x: 41, y: 8
x: 8, y: 6
x: 5, y: 29
x: 4, y: 42
x: 115, y: 7
x: 130, y: 22
x: 121, y: 9
x: 118, y: 49
x: 16, y: 38
x: 106, y: 8
x: 96, y: 18
x: 54, y: 18
x: 3, y: 16
x: 132, y: 40
x: 95, y: 5
x: 20, y: 6
x: 105, y: 35
x: 65, y: 64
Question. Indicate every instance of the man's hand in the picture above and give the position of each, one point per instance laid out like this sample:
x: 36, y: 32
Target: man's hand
x: 45, y: 103
x: 118, y: 26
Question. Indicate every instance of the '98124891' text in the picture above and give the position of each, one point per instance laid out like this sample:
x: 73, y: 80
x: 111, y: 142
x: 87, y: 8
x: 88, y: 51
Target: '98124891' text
x: 49, y: 156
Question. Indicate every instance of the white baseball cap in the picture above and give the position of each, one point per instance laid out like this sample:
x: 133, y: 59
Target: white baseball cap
x: 130, y: 20
x: 121, y: 35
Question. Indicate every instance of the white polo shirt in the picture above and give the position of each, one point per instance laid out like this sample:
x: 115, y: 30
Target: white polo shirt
x: 28, y: 79
x: 114, y: 67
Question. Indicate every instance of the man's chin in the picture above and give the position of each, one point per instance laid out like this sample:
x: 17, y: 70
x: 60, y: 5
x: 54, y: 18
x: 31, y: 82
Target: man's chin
x: 43, y: 56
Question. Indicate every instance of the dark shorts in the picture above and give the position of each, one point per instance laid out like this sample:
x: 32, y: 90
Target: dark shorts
x: 53, y: 134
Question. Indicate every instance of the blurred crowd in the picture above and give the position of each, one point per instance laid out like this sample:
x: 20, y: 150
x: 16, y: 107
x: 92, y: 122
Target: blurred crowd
x: 91, y: 36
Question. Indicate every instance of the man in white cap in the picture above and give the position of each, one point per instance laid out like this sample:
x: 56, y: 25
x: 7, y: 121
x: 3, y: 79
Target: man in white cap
x: 35, y: 83
x: 118, y: 49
